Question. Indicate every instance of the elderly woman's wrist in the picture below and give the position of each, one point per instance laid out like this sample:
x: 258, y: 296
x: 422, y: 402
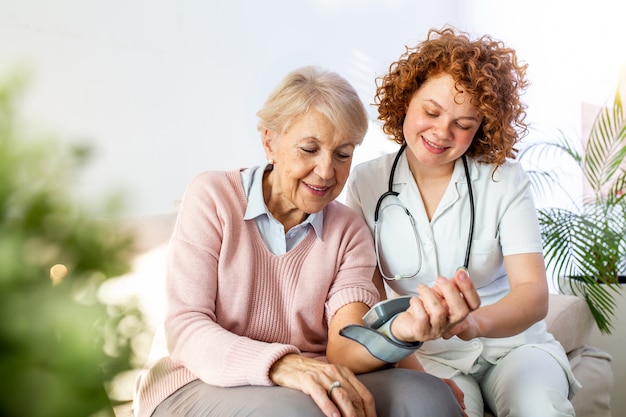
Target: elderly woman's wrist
x: 277, y: 370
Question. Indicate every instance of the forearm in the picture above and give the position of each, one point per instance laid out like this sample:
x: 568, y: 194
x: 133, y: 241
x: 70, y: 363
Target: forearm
x: 525, y: 304
x: 514, y: 313
x: 346, y: 352
x: 355, y: 357
x: 206, y: 349
x: 411, y: 362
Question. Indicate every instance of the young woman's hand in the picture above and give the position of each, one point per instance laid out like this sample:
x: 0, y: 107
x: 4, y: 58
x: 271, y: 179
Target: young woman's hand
x: 466, y: 330
x: 437, y: 310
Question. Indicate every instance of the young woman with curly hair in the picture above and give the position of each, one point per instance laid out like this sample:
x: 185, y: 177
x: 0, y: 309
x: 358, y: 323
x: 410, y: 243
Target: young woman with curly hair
x: 453, y: 198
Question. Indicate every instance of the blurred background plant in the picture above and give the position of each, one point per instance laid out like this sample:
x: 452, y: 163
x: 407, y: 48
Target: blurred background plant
x: 60, y: 345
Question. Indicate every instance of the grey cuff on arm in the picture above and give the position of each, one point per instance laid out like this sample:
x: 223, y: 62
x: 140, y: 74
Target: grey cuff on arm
x: 376, y: 335
x: 379, y: 345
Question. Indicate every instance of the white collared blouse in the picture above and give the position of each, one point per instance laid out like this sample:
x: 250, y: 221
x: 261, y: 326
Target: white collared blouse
x: 505, y: 224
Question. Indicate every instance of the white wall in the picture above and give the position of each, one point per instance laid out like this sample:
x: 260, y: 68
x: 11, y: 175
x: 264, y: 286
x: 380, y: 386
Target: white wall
x: 168, y: 88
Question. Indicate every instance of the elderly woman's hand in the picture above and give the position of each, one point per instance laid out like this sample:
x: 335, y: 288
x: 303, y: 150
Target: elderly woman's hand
x: 437, y: 310
x: 334, y: 388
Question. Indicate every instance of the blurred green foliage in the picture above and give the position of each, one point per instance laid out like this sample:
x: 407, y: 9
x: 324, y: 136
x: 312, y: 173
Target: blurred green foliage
x: 59, y: 344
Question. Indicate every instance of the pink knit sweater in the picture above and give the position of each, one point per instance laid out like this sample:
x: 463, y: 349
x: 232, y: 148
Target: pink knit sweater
x: 234, y: 308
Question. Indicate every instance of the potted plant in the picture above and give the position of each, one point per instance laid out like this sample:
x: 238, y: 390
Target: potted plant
x: 585, y: 243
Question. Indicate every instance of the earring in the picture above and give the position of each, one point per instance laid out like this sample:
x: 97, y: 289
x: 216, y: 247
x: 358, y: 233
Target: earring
x: 270, y: 161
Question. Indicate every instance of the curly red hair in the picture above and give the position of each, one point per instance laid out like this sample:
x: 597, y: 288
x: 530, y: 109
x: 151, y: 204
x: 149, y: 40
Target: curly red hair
x: 484, y: 68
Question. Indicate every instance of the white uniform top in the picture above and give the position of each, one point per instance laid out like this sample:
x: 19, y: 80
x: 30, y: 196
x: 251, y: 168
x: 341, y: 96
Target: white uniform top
x: 505, y: 224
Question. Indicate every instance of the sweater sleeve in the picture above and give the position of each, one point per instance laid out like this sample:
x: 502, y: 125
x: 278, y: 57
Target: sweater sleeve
x: 195, y: 339
x: 357, y: 260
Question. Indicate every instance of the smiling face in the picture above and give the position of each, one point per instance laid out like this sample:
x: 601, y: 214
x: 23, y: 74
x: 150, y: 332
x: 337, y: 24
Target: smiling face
x: 311, y: 165
x: 440, y: 123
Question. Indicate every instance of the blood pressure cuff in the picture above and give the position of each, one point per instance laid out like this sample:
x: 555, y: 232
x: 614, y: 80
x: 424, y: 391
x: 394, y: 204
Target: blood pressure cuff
x: 376, y: 334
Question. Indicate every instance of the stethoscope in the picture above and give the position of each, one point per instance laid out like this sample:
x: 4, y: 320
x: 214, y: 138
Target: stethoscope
x: 390, y: 192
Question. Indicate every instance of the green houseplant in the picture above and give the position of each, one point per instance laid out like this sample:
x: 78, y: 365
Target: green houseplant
x: 60, y: 344
x: 585, y: 243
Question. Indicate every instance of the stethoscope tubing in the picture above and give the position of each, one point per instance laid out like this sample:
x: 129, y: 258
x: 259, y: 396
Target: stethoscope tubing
x: 390, y: 192
x: 470, y: 192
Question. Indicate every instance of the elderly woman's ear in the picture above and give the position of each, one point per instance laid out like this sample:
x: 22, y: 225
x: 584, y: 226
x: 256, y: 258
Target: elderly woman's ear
x: 268, y: 143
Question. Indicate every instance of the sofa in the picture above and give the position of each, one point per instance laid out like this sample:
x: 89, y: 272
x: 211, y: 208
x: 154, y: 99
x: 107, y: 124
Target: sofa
x: 569, y: 320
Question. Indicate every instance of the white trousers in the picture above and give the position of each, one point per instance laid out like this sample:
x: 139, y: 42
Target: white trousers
x: 527, y: 382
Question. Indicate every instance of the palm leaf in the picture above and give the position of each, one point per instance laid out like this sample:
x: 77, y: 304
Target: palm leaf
x: 586, y: 245
x: 605, y: 150
x: 583, y: 248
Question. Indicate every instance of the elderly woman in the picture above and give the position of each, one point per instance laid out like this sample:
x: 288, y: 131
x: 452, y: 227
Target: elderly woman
x: 265, y: 268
